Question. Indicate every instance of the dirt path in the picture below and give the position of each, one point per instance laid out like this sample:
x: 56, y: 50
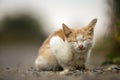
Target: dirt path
x: 108, y: 72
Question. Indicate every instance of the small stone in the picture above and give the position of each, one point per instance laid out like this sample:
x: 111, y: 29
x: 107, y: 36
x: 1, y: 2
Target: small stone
x: 109, y: 69
x: 7, y: 68
x: 113, y: 68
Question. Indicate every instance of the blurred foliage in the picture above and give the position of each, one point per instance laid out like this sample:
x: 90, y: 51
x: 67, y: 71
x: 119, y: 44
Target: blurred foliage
x: 22, y: 27
x: 116, y: 7
x: 117, y: 33
x: 114, y: 53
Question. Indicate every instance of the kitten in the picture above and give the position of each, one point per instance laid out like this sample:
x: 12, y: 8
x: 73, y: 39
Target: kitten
x: 66, y: 48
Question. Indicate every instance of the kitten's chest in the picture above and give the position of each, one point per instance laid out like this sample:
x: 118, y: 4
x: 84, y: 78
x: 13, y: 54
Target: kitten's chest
x: 78, y: 59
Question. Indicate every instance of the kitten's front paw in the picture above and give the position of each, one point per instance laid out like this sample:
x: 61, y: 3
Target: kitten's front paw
x: 64, y: 72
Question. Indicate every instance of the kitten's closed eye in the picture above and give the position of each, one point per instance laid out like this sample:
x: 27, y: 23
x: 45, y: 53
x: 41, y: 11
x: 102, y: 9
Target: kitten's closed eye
x: 82, y: 39
x: 88, y: 42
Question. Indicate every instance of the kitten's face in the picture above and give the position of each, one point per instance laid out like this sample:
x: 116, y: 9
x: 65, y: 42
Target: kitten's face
x: 80, y: 40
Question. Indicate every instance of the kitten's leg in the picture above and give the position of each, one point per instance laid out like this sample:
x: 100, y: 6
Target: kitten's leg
x: 40, y: 63
x: 88, y: 58
x: 43, y: 64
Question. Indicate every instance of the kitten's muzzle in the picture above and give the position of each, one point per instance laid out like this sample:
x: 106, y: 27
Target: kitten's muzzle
x: 81, y: 47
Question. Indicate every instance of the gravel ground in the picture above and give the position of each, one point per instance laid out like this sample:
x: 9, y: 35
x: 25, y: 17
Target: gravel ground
x: 106, y: 72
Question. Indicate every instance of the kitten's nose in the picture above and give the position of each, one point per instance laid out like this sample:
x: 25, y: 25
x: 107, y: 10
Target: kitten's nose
x: 80, y: 46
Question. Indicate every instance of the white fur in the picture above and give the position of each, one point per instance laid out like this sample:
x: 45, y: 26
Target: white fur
x: 60, y: 49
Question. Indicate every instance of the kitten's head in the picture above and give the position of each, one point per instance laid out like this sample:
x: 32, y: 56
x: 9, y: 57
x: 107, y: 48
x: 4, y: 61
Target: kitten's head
x: 80, y: 40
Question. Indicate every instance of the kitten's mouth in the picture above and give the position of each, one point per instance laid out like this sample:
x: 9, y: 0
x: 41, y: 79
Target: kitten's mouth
x: 82, y: 49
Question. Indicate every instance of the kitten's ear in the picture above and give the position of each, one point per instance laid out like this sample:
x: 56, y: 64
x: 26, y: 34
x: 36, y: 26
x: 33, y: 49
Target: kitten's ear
x: 67, y: 31
x: 92, y: 23
x: 91, y: 26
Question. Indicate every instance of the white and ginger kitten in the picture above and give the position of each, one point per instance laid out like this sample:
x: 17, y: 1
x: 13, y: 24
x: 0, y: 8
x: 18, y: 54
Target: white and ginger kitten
x: 66, y: 49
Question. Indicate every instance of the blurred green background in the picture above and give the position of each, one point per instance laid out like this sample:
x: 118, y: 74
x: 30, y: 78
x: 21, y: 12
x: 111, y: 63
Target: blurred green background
x: 22, y: 27
x: 112, y: 41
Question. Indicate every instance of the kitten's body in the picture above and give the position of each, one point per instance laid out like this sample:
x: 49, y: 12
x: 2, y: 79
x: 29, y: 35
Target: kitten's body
x: 66, y: 48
